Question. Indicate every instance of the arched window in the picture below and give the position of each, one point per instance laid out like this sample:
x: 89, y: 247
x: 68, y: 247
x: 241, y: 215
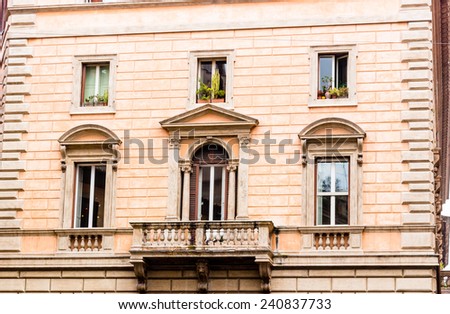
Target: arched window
x: 89, y: 159
x: 332, y: 177
x: 209, y: 183
x: 208, y: 144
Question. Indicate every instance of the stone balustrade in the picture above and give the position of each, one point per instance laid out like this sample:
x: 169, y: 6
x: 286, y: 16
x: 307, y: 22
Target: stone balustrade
x: 201, y: 235
x: 85, y: 243
x: 85, y: 240
x: 331, y: 238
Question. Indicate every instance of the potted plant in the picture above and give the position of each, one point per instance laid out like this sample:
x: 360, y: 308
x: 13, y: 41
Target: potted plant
x: 97, y: 100
x: 334, y: 92
x: 103, y: 99
x: 343, y: 92
x: 218, y: 94
x: 327, y: 82
x: 204, y: 93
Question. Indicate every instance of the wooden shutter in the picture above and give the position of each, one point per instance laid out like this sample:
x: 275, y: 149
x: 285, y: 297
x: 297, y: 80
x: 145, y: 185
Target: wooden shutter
x: 193, y: 197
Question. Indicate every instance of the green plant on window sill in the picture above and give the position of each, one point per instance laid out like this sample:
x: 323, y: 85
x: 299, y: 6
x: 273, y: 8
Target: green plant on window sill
x: 334, y: 92
x: 218, y: 95
x: 204, y: 93
x: 97, y: 100
x: 327, y: 83
x: 343, y: 92
x: 213, y: 94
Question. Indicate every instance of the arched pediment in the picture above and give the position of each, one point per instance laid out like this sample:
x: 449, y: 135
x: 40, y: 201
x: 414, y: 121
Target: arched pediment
x: 333, y: 131
x: 339, y: 128
x: 89, y: 133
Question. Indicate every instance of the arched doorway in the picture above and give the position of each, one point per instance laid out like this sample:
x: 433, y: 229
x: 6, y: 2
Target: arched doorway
x: 209, y: 183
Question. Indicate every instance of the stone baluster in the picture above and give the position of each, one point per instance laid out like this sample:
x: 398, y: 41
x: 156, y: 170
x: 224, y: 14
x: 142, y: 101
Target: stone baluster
x: 320, y: 244
x: 89, y: 243
x: 342, y: 242
x: 327, y: 242
x: 96, y: 244
x: 335, y: 242
x: 82, y: 244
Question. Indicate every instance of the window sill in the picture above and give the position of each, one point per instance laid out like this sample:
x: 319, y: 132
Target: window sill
x: 337, y: 102
x: 92, y: 110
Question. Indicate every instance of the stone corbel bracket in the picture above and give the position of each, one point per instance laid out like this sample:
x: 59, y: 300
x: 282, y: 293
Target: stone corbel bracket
x: 202, y: 275
x: 360, y: 151
x: 63, y: 157
x: 140, y: 270
x: 265, y: 272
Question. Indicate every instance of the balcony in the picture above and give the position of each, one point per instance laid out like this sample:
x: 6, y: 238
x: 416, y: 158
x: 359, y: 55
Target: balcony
x: 200, y: 243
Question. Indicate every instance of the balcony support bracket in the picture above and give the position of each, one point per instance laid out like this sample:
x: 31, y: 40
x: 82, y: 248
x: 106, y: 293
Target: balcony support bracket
x: 202, y: 275
x: 140, y: 270
x: 265, y: 272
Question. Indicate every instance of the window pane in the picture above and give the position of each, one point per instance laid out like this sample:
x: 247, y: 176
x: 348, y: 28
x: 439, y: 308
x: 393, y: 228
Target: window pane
x: 89, y: 82
x: 221, y: 66
x: 99, y: 196
x: 205, y: 72
x: 341, y: 176
x: 104, y: 80
x: 218, y: 186
x: 325, y: 72
x: 341, y: 215
x: 341, y: 69
x: 323, y: 210
x: 84, y: 187
x: 205, y: 185
x: 324, y: 177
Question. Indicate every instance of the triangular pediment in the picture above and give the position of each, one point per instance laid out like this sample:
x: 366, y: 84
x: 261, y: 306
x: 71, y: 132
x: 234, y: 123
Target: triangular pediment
x: 210, y: 117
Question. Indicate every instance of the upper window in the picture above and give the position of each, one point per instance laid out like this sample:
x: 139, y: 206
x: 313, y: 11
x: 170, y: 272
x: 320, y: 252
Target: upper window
x: 333, y: 76
x: 333, y: 70
x: 211, y: 78
x: 94, y: 84
x: 332, y: 192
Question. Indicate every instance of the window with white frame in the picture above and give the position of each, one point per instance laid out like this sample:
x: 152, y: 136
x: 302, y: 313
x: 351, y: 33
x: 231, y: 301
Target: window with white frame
x: 89, y: 171
x: 333, y: 71
x: 332, y: 157
x: 90, y: 195
x: 333, y: 76
x: 94, y: 84
x: 211, y: 78
x: 332, y: 191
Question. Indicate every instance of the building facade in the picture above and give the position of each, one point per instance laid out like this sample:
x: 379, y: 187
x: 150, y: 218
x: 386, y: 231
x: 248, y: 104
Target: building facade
x: 251, y: 146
